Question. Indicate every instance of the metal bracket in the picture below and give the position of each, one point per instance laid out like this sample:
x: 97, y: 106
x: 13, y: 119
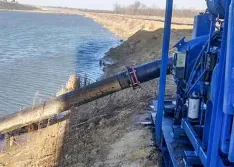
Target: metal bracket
x: 179, y: 45
x: 191, y: 159
x: 131, y: 72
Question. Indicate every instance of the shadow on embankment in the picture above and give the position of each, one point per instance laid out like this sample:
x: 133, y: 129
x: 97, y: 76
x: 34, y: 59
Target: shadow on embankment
x: 105, y: 132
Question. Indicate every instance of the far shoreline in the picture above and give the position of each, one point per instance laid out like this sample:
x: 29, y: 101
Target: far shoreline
x: 43, y: 12
x: 123, y: 26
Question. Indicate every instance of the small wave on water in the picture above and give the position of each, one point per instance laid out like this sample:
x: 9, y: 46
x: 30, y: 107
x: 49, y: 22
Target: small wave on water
x: 38, y: 53
x: 89, y: 55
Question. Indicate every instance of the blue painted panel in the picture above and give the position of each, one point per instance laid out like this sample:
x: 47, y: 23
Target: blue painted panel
x: 229, y: 71
x: 201, y: 25
x: 217, y: 114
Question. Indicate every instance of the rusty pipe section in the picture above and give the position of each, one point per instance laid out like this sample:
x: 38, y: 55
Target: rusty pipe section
x: 130, y: 78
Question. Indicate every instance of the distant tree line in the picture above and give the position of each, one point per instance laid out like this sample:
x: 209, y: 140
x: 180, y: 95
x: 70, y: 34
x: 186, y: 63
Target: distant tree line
x: 12, y: 1
x: 138, y: 8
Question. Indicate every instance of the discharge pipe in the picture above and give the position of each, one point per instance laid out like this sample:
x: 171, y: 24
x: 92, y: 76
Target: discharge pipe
x: 133, y: 77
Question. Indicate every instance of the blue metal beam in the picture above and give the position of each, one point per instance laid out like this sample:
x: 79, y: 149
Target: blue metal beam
x: 229, y: 77
x: 195, y: 141
x: 228, y: 107
x: 224, y: 143
x: 165, y: 53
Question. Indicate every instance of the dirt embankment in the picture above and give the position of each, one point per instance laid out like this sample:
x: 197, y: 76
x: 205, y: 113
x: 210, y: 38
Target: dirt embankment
x: 109, y: 135
x: 15, y: 6
x: 103, y: 133
x: 125, y: 26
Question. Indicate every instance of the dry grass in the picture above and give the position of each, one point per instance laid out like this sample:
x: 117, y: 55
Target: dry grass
x: 43, y: 139
x: 34, y: 148
x: 73, y: 83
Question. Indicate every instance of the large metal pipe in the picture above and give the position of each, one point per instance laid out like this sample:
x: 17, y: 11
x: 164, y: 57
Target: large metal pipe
x: 130, y: 78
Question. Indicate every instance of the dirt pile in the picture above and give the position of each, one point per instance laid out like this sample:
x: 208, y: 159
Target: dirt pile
x: 142, y: 47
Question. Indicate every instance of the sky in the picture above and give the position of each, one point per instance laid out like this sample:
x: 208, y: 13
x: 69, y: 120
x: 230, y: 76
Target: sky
x: 108, y: 4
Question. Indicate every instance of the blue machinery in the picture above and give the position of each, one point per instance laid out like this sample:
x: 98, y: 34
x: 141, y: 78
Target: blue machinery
x: 196, y: 128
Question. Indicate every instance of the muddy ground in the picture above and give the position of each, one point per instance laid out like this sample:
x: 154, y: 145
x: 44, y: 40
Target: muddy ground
x: 106, y: 132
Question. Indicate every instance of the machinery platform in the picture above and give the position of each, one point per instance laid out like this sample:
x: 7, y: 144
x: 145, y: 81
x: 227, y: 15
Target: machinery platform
x: 174, y: 141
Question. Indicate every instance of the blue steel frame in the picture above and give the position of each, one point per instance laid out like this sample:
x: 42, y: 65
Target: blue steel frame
x: 163, y: 72
x: 217, y: 114
x: 217, y: 148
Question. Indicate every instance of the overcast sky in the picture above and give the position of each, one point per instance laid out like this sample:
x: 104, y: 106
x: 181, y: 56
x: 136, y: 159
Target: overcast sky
x: 108, y: 4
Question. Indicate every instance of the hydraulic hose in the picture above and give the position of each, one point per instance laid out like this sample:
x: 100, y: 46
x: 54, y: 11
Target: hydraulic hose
x: 130, y: 78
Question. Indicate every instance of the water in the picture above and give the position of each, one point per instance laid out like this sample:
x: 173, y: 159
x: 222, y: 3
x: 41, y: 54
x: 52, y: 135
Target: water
x: 38, y: 53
